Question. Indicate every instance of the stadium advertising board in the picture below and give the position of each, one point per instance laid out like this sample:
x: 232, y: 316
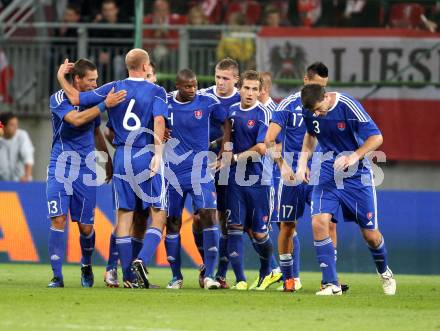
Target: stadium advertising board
x: 407, y: 219
x: 362, y: 58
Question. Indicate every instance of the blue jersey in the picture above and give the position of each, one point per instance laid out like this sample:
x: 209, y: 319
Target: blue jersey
x: 67, y: 137
x: 143, y: 102
x: 215, y: 130
x: 344, y: 128
x: 189, y: 123
x: 289, y: 117
x: 249, y: 127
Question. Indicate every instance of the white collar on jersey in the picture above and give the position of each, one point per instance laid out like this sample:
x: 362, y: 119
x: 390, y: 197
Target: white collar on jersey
x: 250, y: 108
x: 268, y: 102
x: 174, y: 93
x: 226, y: 97
x: 136, y: 79
x: 336, y: 101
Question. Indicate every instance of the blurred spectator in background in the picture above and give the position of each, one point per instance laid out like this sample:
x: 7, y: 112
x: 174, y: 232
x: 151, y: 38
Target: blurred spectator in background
x: 108, y: 52
x: 1, y: 129
x: 6, y: 75
x: 250, y: 9
x: 362, y: 13
x: 166, y: 39
x: 16, y: 151
x: 272, y: 17
x: 412, y: 14
x: 316, y: 13
x: 72, y: 14
x: 197, y: 17
x: 237, y: 43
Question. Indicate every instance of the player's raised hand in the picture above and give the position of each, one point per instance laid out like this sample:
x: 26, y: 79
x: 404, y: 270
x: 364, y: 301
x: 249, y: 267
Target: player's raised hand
x: 115, y: 98
x: 65, y: 68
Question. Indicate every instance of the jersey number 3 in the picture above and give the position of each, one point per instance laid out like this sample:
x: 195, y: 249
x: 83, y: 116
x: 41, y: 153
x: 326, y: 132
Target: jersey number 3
x: 316, y: 126
x: 129, y: 115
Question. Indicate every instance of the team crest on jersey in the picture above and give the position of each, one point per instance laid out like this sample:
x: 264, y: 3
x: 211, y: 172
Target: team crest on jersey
x: 251, y: 124
x: 370, y: 215
x: 341, y: 126
x: 198, y: 114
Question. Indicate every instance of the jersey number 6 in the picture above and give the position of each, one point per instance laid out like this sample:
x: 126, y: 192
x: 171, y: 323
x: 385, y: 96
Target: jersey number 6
x: 129, y: 115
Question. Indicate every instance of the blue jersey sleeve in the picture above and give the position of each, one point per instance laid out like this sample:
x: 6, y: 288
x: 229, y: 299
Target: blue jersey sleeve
x: 218, y: 112
x: 263, y: 123
x: 362, y: 123
x: 60, y: 107
x: 92, y: 98
x: 280, y: 116
x: 97, y: 122
x: 160, y: 104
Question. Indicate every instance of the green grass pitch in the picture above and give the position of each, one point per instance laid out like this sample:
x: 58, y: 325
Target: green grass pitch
x: 26, y: 304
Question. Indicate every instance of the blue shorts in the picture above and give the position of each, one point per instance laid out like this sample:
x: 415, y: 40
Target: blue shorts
x: 357, y: 202
x: 249, y: 206
x: 139, y: 193
x: 205, y: 200
x: 80, y: 203
x: 274, y: 198
x: 293, y: 200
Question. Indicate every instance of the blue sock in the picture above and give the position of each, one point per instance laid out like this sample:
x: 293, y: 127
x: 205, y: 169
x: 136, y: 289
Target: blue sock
x: 136, y: 244
x: 210, y: 246
x: 380, y: 257
x: 113, y: 254
x: 223, y: 260
x: 274, y: 263
x: 198, y: 239
x: 125, y: 255
x: 286, y: 264
x: 235, y: 253
x: 264, y: 249
x: 152, y: 239
x: 325, y: 252
x: 296, y: 256
x: 87, y: 244
x: 172, y: 246
x: 57, y: 250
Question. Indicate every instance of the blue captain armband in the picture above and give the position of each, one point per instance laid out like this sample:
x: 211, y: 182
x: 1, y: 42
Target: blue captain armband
x: 101, y: 106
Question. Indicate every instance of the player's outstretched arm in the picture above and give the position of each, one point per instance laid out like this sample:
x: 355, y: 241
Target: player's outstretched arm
x: 71, y: 93
x: 159, y: 132
x: 270, y: 141
x: 78, y: 118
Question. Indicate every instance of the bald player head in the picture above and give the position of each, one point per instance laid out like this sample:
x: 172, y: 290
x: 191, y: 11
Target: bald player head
x: 137, y: 62
x: 186, y: 84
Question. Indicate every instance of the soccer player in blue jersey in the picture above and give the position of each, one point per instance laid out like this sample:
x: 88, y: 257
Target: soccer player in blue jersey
x: 345, y: 133
x: 190, y: 112
x: 275, y: 274
x: 75, y: 134
x: 226, y: 76
x: 249, y: 180
x: 139, y: 217
x: 138, y: 166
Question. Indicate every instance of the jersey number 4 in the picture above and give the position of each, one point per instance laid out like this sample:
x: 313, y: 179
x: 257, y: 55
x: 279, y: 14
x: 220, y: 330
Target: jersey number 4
x: 129, y: 115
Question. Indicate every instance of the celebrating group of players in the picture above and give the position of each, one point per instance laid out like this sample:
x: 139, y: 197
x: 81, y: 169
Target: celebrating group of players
x: 233, y: 150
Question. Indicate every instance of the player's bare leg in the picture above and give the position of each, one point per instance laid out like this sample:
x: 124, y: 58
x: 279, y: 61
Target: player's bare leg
x: 57, y: 249
x: 325, y: 252
x: 376, y: 244
x: 172, y: 246
x: 209, y: 225
x: 197, y: 230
